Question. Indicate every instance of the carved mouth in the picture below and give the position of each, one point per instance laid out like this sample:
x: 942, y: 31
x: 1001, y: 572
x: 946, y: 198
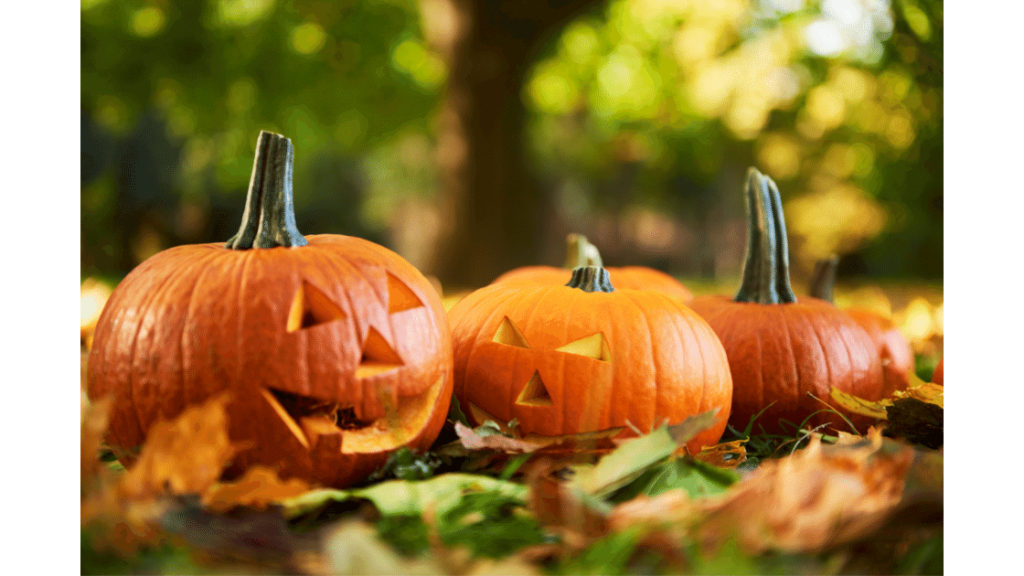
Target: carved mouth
x: 309, y: 419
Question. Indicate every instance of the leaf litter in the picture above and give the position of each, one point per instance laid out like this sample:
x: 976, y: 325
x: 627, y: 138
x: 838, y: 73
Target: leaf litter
x: 493, y: 500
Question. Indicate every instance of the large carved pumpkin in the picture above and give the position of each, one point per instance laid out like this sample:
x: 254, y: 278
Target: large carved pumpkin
x: 335, y: 351
x: 586, y: 357
x: 580, y: 252
x: 781, y: 348
x: 894, y: 350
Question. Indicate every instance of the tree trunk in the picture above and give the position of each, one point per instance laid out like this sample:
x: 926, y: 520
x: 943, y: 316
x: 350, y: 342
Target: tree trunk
x: 492, y: 209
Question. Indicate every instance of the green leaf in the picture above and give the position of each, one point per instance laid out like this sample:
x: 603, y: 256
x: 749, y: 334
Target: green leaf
x: 624, y: 464
x: 398, y: 497
x: 490, y: 524
x: 610, y: 555
x: 689, y: 429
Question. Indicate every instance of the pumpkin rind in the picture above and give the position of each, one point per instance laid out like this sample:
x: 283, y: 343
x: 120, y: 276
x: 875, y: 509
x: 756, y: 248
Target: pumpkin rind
x: 194, y: 321
x: 782, y: 348
x: 896, y: 354
x: 603, y: 360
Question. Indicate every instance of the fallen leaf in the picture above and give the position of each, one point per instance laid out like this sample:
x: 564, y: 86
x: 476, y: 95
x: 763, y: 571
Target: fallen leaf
x: 258, y: 488
x: 625, y: 463
x: 817, y: 498
x: 726, y: 455
x: 185, y: 455
x: 398, y: 497
x: 917, y: 421
x: 925, y: 392
x: 689, y: 429
x: 869, y: 408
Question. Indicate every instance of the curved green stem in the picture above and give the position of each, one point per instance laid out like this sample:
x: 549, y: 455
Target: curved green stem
x: 580, y: 252
x: 269, y: 217
x: 823, y: 280
x: 591, y: 279
x: 766, y: 265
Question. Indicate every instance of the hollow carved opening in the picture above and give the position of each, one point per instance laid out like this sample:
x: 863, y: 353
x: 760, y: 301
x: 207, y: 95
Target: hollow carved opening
x: 534, y: 393
x: 311, y: 307
x: 594, y: 346
x: 400, y: 296
x: 378, y: 356
x: 509, y: 335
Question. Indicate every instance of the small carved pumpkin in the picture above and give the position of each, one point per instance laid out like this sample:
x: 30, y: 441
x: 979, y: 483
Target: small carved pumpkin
x: 894, y: 350
x: 780, y: 348
x: 586, y: 357
x: 335, y: 351
x: 580, y: 252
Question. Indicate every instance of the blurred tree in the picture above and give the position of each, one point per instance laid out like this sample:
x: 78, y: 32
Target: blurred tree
x: 493, y: 210
x: 174, y: 94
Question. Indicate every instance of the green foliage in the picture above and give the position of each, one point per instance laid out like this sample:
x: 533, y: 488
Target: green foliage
x: 610, y: 555
x: 406, y: 533
x: 405, y: 464
x: 490, y: 524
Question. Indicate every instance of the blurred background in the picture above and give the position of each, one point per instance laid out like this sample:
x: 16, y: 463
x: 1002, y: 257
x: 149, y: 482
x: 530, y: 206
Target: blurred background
x: 472, y: 136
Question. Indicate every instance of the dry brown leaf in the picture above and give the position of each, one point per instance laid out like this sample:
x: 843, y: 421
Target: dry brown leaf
x: 815, y: 499
x: 258, y: 488
x: 600, y: 440
x: 717, y: 455
x: 184, y: 455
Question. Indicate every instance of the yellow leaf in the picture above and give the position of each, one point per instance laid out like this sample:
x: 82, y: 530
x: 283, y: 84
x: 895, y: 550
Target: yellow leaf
x: 187, y: 454
x: 716, y: 455
x: 258, y: 488
x: 924, y: 391
x: 870, y: 408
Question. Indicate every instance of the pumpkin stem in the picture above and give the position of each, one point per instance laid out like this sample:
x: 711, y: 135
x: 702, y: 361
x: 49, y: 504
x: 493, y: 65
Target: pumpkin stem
x: 823, y: 280
x: 766, y: 265
x: 269, y: 217
x: 580, y: 252
x: 591, y: 279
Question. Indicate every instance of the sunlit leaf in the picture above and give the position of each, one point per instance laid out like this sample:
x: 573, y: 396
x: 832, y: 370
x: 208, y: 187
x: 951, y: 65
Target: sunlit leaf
x: 872, y: 409
x: 625, y: 463
x: 259, y: 487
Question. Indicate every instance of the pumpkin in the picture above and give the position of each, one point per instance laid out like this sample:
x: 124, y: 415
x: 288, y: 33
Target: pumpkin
x: 894, y: 350
x: 937, y: 374
x: 586, y: 357
x: 580, y: 252
x: 781, y: 348
x: 334, y: 351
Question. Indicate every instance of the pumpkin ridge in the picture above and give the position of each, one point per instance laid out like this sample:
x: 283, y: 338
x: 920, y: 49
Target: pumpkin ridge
x: 542, y: 293
x: 162, y: 282
x: 784, y: 324
x: 703, y: 364
x: 452, y: 319
x: 654, y: 364
x: 202, y: 265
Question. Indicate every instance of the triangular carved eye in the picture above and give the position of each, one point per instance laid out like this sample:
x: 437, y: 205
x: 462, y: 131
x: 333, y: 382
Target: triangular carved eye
x: 594, y: 346
x: 311, y: 307
x: 400, y: 297
x: 378, y: 356
x: 534, y: 393
x: 509, y: 335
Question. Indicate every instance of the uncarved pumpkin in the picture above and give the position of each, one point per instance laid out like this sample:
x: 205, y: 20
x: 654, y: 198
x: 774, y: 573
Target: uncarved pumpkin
x: 937, y: 374
x: 335, y: 351
x: 586, y: 357
x: 781, y: 348
x: 580, y: 252
x: 893, y: 348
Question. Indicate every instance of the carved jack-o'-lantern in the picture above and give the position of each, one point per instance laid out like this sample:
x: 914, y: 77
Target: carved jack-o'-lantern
x: 586, y: 357
x: 335, y: 351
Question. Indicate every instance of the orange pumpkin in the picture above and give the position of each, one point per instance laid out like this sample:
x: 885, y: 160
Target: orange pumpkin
x: 937, y: 374
x: 335, y: 351
x: 586, y: 357
x: 580, y: 252
x: 894, y: 350
x: 781, y: 348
